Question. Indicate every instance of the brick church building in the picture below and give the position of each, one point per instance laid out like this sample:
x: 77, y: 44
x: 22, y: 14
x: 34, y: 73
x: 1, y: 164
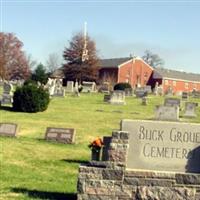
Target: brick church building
x: 138, y: 73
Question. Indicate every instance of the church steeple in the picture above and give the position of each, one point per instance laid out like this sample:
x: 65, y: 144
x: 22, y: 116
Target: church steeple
x: 85, y: 55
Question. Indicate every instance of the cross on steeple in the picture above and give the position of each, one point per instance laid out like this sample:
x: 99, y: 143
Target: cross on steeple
x: 85, y: 55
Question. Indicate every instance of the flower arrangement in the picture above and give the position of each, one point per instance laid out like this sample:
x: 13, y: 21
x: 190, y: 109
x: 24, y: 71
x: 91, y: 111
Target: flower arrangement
x: 96, y: 145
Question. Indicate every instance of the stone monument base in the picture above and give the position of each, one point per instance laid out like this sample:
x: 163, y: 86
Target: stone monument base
x: 109, y: 181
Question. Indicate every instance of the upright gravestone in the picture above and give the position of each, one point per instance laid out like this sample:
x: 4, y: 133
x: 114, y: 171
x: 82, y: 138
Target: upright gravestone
x: 107, y: 97
x: 169, y: 91
x: 140, y: 92
x: 128, y: 92
x: 148, y: 89
x: 190, y: 109
x: 196, y: 94
x: 184, y: 96
x: 117, y: 97
x: 8, y: 129
x: 144, y: 101
x: 50, y: 85
x: 104, y: 88
x: 7, y: 96
x: 62, y: 135
x: 167, y: 113
x: 88, y: 86
x: 59, y: 91
x: 70, y: 86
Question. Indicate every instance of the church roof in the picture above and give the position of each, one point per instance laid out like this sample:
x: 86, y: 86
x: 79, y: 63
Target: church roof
x: 174, y: 74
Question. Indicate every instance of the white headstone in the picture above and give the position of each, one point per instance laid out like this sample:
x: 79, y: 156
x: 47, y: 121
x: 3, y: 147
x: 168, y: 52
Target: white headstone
x: 117, y: 97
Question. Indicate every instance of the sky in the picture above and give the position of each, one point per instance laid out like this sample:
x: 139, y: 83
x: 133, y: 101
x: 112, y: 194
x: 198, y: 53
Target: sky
x: 170, y: 29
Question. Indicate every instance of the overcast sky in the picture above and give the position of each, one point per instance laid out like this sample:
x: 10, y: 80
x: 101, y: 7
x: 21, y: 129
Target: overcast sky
x: 120, y: 28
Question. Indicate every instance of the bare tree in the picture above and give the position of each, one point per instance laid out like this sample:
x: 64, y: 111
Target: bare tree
x: 153, y: 60
x: 31, y: 63
x: 53, y: 62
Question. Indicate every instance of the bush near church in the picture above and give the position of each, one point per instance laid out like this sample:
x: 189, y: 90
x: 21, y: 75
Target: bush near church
x: 30, y: 98
x: 122, y: 86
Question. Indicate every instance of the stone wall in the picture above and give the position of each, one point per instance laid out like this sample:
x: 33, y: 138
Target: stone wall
x: 110, y: 180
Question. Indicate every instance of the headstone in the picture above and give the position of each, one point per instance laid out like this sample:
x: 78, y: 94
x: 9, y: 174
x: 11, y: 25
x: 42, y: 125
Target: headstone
x: 62, y: 135
x: 196, y: 94
x: 148, y: 89
x: 8, y: 129
x: 107, y: 97
x: 160, y: 90
x: 104, y: 88
x: 117, y: 97
x: 190, y: 109
x: 163, y: 146
x: 76, y: 86
x: 184, y: 95
x: 144, y: 101
x: 88, y: 86
x: 7, y: 96
x: 128, y: 92
x: 169, y: 91
x: 168, y: 113
x: 50, y: 85
x: 172, y: 102
x: 70, y: 86
x: 59, y: 91
x: 140, y: 92
x: 156, y: 88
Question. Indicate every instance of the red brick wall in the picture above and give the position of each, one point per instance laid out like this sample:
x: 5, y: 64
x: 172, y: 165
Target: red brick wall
x: 135, y: 72
x: 180, y: 85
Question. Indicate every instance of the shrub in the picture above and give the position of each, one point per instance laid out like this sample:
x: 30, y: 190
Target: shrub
x: 30, y: 98
x: 122, y: 86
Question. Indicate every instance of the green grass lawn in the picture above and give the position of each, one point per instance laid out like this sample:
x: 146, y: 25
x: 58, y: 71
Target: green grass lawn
x: 32, y: 168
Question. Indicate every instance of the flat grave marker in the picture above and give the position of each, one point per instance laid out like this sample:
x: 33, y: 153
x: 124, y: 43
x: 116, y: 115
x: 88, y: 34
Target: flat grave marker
x: 62, y: 135
x: 163, y: 146
x: 8, y: 129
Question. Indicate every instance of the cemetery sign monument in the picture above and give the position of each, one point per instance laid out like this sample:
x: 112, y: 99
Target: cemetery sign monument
x: 145, y: 160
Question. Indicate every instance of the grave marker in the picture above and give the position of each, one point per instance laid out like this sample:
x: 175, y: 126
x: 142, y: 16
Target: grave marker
x: 7, y: 96
x: 117, y: 97
x: 88, y: 86
x: 190, y: 108
x: 107, y: 97
x: 8, y: 129
x: 140, y: 92
x: 169, y: 113
x: 62, y: 135
x: 172, y: 102
x: 184, y: 95
x: 70, y: 86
